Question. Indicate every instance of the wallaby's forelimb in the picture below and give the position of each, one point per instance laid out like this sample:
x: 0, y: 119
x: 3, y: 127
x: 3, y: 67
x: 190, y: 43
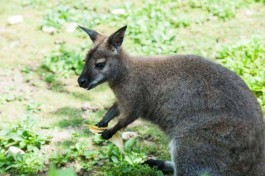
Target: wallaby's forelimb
x: 112, y: 112
x: 122, y: 123
x: 164, y: 166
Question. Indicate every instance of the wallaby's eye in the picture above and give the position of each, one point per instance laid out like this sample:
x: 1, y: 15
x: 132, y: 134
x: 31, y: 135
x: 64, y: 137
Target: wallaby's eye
x: 100, y: 65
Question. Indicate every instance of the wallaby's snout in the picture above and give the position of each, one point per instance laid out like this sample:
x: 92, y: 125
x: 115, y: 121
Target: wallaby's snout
x: 82, y: 81
x: 88, y: 84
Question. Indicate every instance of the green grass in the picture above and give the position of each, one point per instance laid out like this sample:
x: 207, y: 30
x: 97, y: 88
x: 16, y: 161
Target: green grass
x: 38, y: 73
x: 25, y: 138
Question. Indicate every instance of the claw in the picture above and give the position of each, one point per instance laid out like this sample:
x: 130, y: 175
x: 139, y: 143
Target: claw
x: 101, y: 124
x: 106, y: 134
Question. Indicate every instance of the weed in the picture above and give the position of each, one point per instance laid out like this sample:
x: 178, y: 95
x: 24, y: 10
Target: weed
x: 108, y: 155
x: 20, y: 148
x: 62, y: 62
x: 58, y: 16
x: 128, y: 163
x: 124, y: 169
x: 33, y: 107
x: 58, y: 172
x: 223, y: 9
x: 33, y: 3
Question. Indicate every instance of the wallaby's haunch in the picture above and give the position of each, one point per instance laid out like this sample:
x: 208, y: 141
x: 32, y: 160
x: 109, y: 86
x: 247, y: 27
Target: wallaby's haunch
x: 212, y: 119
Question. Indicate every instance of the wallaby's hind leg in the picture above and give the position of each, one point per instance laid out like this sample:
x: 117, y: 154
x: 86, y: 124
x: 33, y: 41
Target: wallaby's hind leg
x: 164, y: 166
x: 259, y: 170
x: 202, y: 159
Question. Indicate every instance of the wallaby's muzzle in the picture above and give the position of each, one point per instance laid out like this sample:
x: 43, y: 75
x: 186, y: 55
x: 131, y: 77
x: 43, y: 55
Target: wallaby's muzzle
x: 87, y: 84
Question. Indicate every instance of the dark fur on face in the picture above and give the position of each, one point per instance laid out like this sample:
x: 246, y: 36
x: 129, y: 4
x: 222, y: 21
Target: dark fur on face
x: 212, y: 119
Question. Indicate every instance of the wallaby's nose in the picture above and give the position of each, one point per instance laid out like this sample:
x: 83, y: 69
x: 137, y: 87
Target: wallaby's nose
x: 81, y: 82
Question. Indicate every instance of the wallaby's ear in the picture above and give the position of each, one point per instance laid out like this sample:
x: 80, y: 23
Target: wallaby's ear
x: 116, y: 38
x: 92, y: 34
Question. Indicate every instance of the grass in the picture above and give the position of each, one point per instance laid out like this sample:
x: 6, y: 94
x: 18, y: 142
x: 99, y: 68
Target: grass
x: 38, y: 71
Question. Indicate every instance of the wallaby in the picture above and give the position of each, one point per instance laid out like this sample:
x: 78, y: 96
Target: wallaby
x: 213, y: 121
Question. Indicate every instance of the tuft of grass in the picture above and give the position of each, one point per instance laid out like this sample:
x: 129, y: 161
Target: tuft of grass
x: 58, y: 16
x: 222, y: 9
x: 63, y: 62
x: 20, y: 147
x: 73, y: 117
x: 58, y: 172
x: 124, y: 169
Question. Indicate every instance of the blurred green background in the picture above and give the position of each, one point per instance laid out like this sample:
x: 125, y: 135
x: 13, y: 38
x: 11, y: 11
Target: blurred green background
x: 42, y: 109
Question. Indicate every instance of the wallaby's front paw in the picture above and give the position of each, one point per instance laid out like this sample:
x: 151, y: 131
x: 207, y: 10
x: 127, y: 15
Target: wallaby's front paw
x: 101, y: 124
x: 106, y: 134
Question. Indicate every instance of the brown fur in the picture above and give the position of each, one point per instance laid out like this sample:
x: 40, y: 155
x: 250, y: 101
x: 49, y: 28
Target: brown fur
x: 213, y: 120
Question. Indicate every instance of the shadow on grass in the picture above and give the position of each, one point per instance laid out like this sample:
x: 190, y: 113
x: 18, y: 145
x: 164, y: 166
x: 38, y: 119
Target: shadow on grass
x: 73, y: 117
x: 81, y: 96
x: 91, y: 95
x: 57, y: 85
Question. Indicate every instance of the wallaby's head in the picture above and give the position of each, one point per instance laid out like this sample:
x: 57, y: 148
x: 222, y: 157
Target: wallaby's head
x: 102, y: 60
